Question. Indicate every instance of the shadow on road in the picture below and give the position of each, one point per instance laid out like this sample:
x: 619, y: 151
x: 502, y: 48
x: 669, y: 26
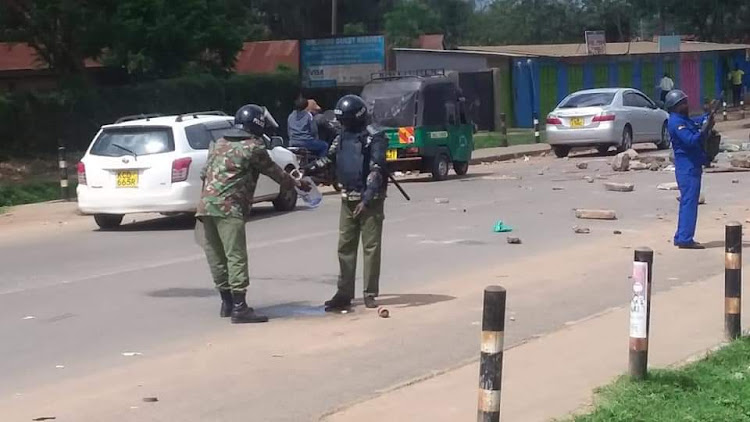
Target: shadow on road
x: 409, y: 300
x: 183, y: 292
x: 187, y: 221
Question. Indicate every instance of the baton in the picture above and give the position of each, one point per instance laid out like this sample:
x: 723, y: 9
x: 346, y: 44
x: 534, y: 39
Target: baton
x: 398, y: 186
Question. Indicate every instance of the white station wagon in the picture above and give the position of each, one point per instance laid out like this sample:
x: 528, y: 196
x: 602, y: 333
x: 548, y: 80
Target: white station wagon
x: 152, y: 164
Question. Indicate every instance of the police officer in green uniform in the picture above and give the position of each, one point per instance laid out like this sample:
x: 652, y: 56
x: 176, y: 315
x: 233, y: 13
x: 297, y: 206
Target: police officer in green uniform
x: 229, y: 180
x: 359, y: 156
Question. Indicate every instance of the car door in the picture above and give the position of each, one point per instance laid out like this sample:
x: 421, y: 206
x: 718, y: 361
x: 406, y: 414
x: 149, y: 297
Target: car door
x: 266, y: 187
x: 654, y: 119
x: 634, y: 114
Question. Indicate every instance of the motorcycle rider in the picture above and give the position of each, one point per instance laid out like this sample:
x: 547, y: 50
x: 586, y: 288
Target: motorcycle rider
x: 303, y: 131
x: 229, y: 179
x: 358, y: 154
x: 688, y: 139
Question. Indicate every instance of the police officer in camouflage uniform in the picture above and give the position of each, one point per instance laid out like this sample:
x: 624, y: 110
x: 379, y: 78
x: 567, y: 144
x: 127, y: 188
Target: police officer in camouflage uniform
x: 231, y: 174
x: 359, y: 156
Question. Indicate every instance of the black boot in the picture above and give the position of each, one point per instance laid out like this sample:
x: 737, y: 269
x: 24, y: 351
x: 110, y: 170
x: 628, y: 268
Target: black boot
x: 241, y: 313
x: 370, y: 302
x: 226, y: 303
x: 338, y: 302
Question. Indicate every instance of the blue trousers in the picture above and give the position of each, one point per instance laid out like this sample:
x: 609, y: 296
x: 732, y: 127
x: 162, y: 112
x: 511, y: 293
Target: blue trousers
x: 690, y: 192
x: 316, y: 146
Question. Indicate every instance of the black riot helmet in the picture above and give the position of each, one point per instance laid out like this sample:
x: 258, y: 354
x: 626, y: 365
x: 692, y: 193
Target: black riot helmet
x: 351, y: 111
x: 251, y: 119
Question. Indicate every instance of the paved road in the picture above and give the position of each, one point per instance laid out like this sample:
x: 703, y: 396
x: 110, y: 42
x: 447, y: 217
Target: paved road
x: 71, y: 304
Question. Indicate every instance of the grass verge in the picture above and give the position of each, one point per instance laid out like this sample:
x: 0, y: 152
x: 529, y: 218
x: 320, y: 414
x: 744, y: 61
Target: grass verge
x: 714, y: 389
x: 29, y: 193
x: 515, y: 137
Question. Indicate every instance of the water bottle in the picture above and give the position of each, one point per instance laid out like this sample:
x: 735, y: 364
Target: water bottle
x: 313, y: 198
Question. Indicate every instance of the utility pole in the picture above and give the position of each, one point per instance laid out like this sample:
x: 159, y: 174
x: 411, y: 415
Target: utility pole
x: 334, y: 16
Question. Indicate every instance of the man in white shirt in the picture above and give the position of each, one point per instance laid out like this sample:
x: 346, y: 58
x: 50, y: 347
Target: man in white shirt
x: 666, y: 85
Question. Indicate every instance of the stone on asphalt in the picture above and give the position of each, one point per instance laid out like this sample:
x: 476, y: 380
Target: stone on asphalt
x: 741, y: 161
x: 514, y: 240
x: 621, y: 162
x: 558, y: 188
x: 442, y: 200
x: 619, y: 187
x: 582, y: 165
x: 668, y: 186
x: 588, y: 179
x: 581, y: 230
x: 631, y: 153
x: 617, y: 232
x: 637, y: 165
x: 655, y: 166
x: 735, y: 181
x: 590, y: 214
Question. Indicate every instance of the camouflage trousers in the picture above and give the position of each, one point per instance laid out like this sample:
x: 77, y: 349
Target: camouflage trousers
x: 226, y: 252
x: 368, y: 226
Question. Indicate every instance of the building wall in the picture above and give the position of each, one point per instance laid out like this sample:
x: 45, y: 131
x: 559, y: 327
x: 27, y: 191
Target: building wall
x: 415, y: 60
x: 539, y: 84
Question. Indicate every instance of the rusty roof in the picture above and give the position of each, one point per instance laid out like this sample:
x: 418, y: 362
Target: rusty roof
x: 266, y: 56
x: 21, y: 56
x: 613, y: 49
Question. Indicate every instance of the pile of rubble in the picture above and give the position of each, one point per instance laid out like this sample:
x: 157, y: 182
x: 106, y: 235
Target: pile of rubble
x: 630, y: 160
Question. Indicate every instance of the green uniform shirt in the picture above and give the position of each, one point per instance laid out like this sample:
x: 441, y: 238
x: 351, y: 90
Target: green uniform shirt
x: 231, y: 175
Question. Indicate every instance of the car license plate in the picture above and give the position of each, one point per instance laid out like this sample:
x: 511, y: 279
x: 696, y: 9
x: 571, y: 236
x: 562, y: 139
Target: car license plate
x: 391, y: 155
x: 127, y: 179
x: 576, y: 122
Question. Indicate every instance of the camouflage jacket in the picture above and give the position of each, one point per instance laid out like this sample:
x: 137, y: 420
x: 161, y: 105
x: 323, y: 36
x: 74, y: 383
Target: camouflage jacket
x: 231, y: 175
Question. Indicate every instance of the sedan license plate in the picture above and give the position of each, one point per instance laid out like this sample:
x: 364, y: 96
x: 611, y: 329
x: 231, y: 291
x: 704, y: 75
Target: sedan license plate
x: 576, y: 122
x: 127, y: 179
x: 391, y: 155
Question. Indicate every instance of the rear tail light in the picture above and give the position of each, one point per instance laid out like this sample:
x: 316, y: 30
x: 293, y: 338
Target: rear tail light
x: 81, y: 173
x: 604, y: 118
x: 180, y: 169
x: 553, y: 120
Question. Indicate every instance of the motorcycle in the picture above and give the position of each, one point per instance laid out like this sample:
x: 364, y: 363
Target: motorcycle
x: 328, y: 129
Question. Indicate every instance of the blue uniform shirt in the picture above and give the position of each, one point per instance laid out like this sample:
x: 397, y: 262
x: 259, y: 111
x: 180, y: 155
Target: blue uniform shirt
x: 687, y: 142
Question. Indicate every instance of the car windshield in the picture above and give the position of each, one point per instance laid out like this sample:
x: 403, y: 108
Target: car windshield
x: 589, y: 99
x: 392, y: 103
x: 116, y: 142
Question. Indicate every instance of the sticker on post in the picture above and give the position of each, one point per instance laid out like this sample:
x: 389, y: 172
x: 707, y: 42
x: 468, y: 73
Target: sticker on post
x: 639, y: 302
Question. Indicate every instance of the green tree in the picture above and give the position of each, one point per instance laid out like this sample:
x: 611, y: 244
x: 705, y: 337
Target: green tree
x: 408, y: 20
x: 62, y: 32
x: 165, y: 38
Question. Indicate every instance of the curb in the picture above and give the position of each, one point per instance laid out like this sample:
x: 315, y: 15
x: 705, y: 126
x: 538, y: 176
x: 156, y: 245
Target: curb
x: 510, y: 156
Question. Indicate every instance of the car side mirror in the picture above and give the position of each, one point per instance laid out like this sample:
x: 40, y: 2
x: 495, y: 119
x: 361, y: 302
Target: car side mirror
x: 659, y: 104
x: 276, y: 141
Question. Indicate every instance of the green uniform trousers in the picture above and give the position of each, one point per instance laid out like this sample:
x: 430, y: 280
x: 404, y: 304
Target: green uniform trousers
x: 368, y: 225
x: 226, y: 252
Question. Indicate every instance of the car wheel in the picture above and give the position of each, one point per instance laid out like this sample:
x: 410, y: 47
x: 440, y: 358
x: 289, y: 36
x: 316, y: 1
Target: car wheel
x: 627, y: 139
x: 561, y: 151
x: 440, y: 166
x: 108, y: 221
x: 603, y: 149
x: 461, y: 167
x: 664, y: 142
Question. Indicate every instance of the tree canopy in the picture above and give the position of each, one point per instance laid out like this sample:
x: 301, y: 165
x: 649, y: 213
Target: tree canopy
x: 164, y: 38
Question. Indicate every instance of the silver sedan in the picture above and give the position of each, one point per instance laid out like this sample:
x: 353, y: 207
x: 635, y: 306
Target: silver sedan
x: 603, y: 118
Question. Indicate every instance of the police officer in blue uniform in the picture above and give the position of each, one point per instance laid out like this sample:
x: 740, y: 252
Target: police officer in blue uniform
x: 688, y: 139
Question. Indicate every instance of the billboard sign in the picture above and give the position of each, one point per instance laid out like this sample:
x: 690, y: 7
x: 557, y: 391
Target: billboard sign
x: 669, y: 43
x: 596, y: 43
x: 341, y: 61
